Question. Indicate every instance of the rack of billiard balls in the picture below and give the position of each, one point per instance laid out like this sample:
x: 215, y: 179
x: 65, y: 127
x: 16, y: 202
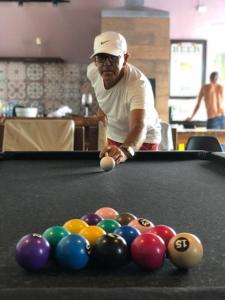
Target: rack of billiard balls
x: 109, y: 239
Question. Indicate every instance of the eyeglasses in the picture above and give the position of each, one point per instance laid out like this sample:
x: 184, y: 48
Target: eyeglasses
x: 101, y: 58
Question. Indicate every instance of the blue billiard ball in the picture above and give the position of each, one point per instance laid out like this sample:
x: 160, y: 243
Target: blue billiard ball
x: 129, y: 233
x: 73, y: 252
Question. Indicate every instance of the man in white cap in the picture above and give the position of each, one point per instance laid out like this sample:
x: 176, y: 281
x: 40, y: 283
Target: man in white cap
x: 125, y: 99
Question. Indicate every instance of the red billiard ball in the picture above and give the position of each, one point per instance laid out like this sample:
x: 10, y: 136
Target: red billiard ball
x: 164, y: 231
x: 148, y: 251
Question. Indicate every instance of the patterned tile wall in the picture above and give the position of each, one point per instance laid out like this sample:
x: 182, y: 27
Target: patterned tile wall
x: 47, y: 86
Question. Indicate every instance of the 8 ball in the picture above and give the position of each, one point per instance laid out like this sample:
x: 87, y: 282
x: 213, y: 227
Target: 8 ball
x: 110, y: 251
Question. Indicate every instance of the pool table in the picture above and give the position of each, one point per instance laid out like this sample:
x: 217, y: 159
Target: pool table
x: 185, y: 190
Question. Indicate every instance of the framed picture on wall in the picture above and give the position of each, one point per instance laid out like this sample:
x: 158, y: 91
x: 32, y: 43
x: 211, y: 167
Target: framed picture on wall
x: 187, y: 68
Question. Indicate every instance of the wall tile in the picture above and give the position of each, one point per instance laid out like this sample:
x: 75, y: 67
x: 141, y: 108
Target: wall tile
x: 3, y: 71
x: 16, y: 71
x: 34, y: 72
x: 47, y: 86
x: 16, y: 89
x: 35, y: 90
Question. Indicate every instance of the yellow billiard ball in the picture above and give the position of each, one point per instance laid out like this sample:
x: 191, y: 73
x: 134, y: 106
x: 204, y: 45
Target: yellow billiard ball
x: 75, y: 225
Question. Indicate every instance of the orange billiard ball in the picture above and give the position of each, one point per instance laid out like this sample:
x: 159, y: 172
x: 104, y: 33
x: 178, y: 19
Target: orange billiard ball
x: 92, y: 233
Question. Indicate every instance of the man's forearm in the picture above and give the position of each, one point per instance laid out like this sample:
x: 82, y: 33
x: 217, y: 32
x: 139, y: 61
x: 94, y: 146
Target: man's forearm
x: 136, y: 137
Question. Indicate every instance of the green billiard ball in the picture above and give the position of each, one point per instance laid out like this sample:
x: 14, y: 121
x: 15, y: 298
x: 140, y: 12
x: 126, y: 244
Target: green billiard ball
x: 109, y: 225
x: 54, y: 234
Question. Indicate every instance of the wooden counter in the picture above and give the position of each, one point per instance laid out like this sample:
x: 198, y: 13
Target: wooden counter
x: 86, y: 131
x: 79, y: 120
x: 182, y: 135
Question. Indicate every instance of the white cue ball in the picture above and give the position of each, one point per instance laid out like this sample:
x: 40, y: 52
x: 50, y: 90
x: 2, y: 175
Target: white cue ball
x: 107, y: 163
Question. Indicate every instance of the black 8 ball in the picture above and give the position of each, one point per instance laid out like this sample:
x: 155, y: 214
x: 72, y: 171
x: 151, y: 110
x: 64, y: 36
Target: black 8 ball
x: 110, y: 251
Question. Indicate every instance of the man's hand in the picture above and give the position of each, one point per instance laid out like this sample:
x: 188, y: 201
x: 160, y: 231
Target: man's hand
x: 188, y: 119
x: 115, y: 152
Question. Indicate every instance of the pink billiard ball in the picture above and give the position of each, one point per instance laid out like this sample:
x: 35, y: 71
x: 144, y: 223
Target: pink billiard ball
x: 141, y: 224
x: 107, y: 213
x: 164, y: 231
x: 148, y: 251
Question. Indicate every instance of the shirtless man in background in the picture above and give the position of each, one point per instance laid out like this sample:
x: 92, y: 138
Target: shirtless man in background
x: 213, y: 96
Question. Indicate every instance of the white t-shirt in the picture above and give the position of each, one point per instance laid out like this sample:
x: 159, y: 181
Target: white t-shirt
x: 133, y: 91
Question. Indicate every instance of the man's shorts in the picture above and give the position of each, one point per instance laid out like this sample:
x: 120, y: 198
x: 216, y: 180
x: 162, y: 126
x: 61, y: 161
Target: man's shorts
x: 144, y: 147
x: 216, y: 123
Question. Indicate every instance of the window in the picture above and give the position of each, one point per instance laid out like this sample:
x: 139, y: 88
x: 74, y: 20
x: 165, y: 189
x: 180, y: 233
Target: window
x: 187, y: 70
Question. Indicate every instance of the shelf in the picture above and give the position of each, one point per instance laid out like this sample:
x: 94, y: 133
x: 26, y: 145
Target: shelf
x: 33, y: 59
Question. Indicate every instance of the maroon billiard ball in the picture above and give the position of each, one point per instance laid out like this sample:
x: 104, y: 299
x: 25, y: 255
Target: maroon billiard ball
x: 148, y: 251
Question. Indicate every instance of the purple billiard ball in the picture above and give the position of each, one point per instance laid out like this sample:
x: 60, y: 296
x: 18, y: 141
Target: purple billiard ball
x: 32, y: 252
x: 92, y: 219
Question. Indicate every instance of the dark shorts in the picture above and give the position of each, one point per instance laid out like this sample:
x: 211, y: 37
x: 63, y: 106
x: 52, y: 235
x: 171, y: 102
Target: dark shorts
x: 216, y: 123
x: 144, y: 147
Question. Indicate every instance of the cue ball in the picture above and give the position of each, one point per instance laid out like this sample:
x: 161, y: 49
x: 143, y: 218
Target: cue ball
x: 185, y: 250
x: 107, y: 163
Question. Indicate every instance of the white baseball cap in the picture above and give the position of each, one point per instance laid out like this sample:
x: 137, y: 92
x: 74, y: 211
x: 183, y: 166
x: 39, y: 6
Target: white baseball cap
x: 110, y: 42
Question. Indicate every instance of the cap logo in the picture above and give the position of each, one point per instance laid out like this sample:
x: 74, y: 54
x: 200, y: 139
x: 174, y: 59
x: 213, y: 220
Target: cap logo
x: 102, y: 43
